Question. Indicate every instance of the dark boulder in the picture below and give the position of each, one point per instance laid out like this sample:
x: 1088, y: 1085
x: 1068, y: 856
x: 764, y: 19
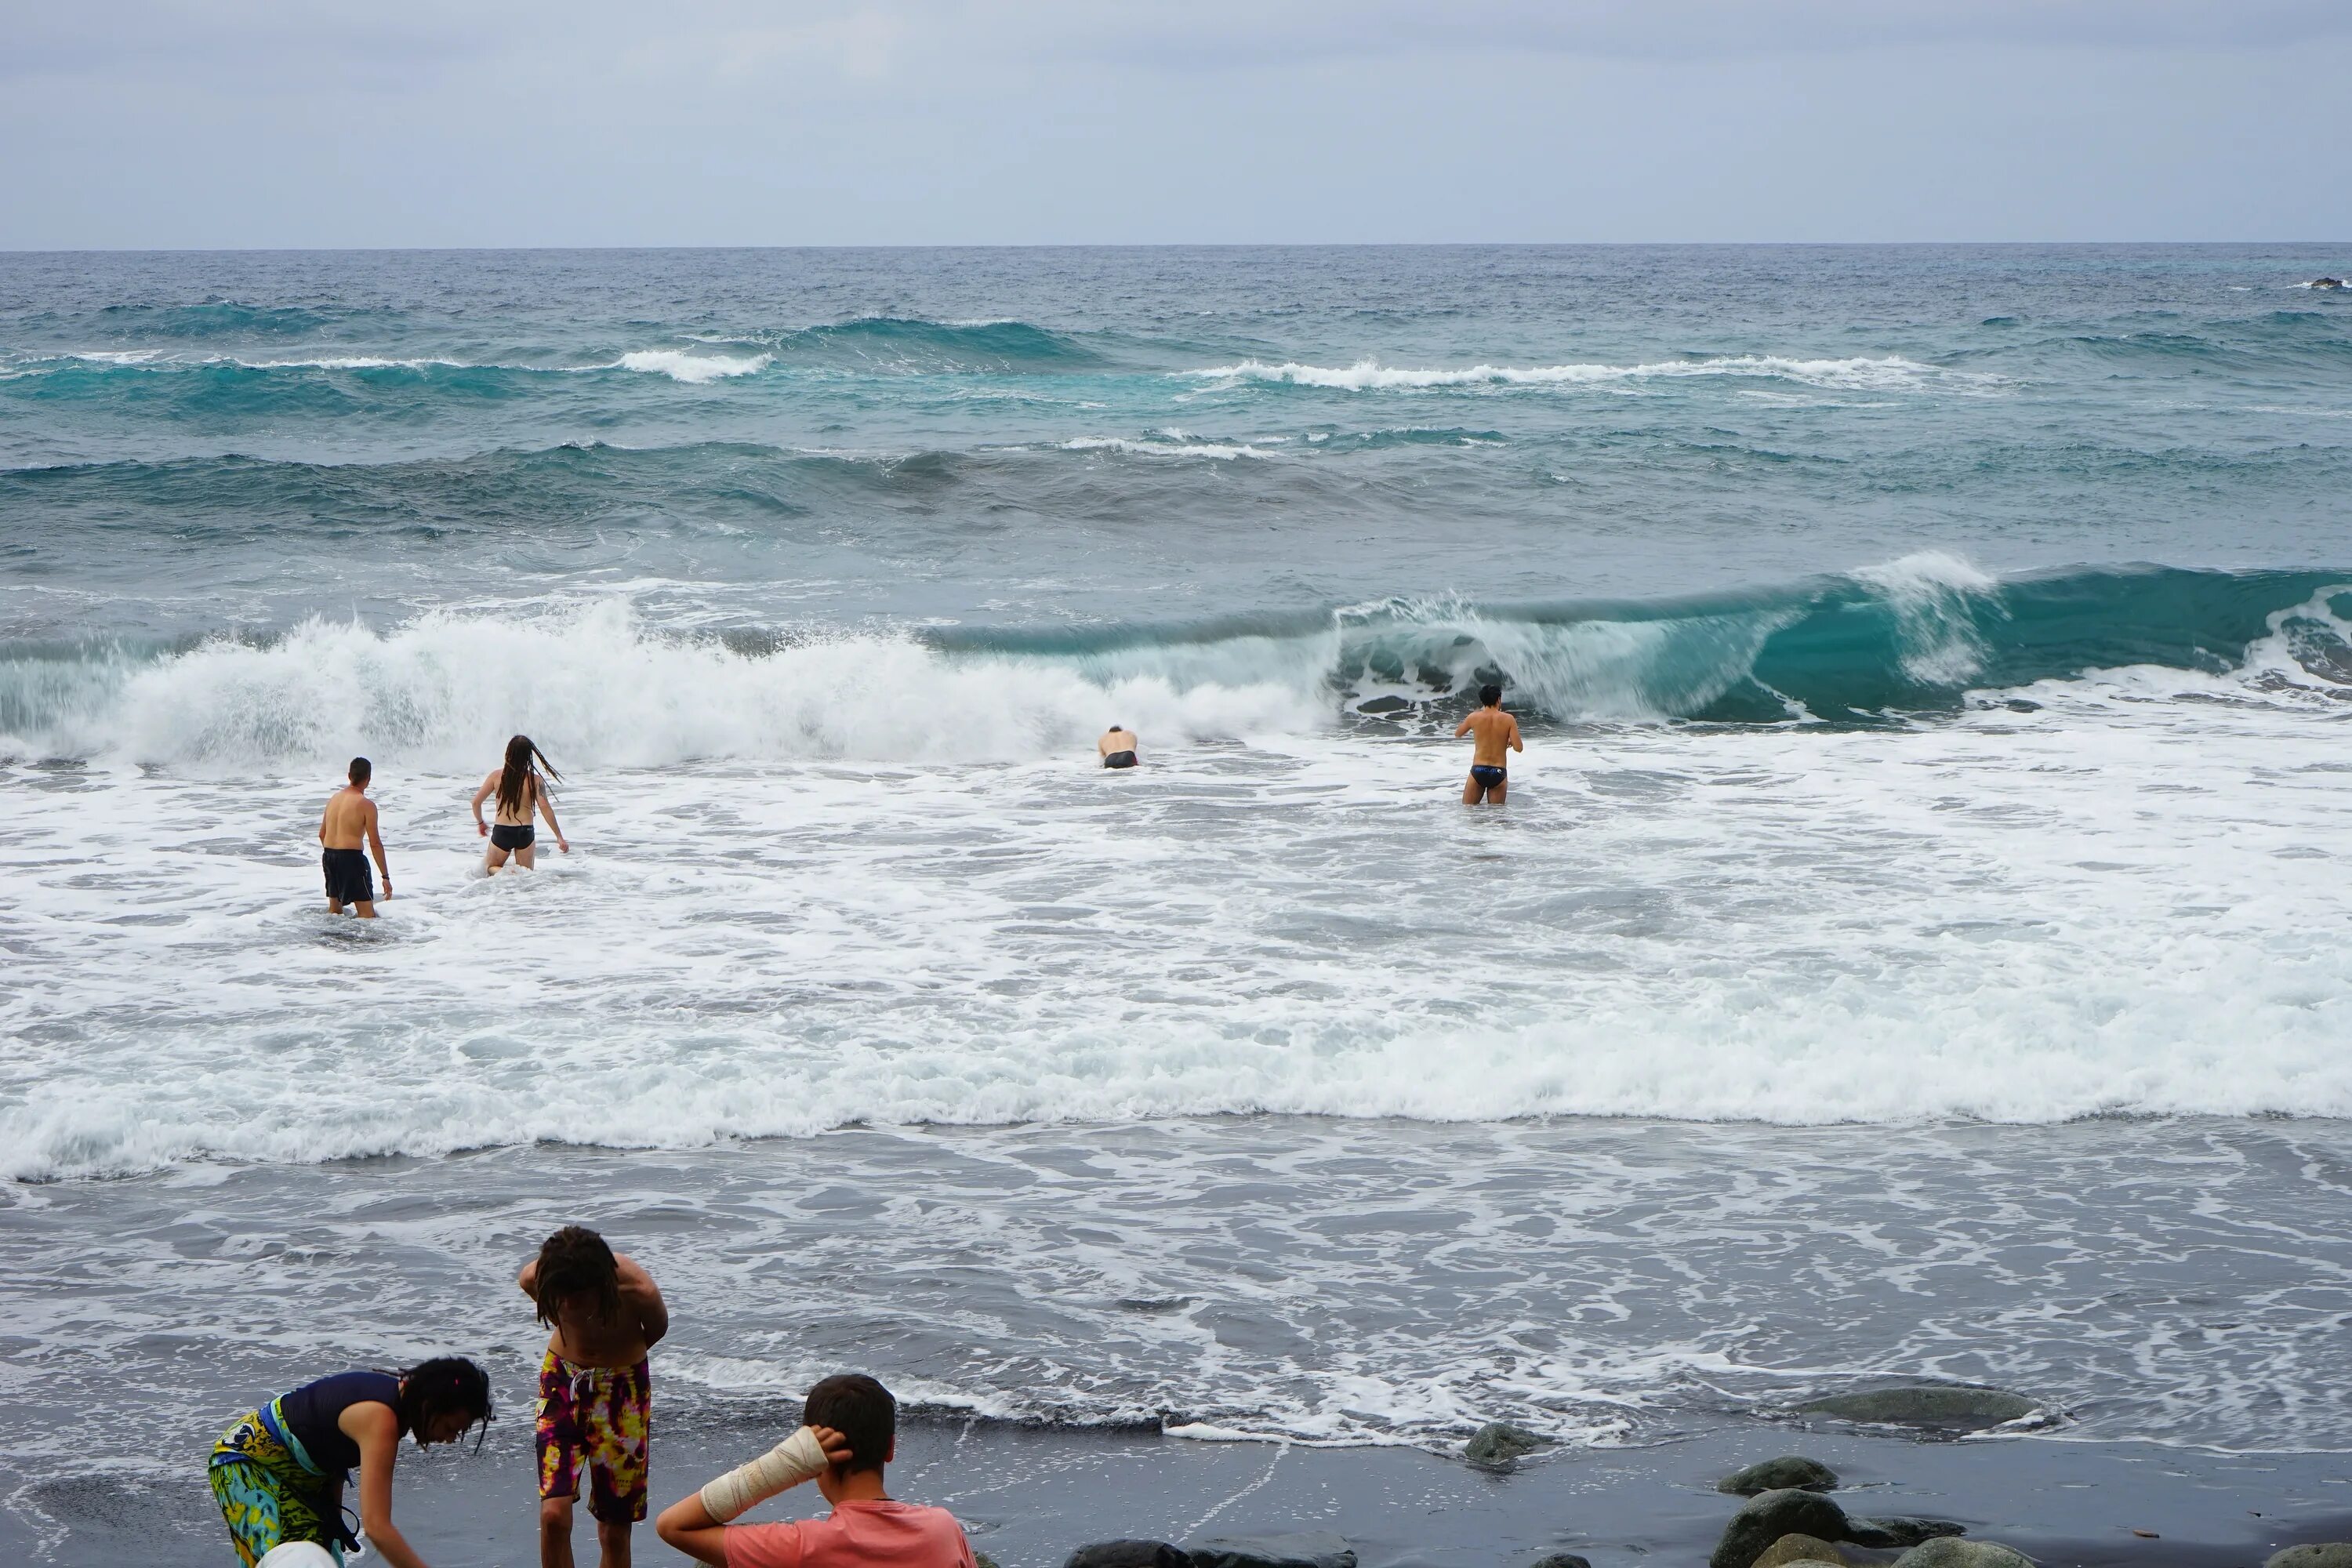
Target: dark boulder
x: 1899, y: 1532
x: 1498, y: 1446
x: 1787, y: 1471
x: 1769, y: 1516
x: 2318, y: 1554
x: 1302, y: 1548
x: 1951, y: 1552
x: 1562, y: 1560
x: 1937, y: 1406
x: 1791, y: 1549
x: 1128, y: 1555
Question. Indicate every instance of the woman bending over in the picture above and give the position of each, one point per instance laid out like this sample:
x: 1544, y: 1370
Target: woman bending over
x: 278, y: 1472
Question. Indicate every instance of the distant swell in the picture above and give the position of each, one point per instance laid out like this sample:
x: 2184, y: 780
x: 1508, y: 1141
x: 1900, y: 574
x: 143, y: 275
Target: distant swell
x: 1912, y: 638
x: 873, y: 344
x: 1886, y: 373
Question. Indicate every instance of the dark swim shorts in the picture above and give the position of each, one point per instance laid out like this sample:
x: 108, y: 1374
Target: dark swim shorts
x: 349, y: 880
x: 507, y: 836
x: 1119, y: 760
x: 1488, y: 776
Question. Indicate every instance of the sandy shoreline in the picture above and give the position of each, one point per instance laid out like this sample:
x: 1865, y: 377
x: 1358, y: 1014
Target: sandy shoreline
x: 1029, y: 1496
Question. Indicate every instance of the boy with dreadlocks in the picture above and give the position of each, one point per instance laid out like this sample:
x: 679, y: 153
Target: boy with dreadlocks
x: 595, y: 1393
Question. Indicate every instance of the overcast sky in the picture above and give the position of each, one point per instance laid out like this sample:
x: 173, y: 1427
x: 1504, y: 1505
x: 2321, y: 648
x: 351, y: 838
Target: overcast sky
x: 477, y: 122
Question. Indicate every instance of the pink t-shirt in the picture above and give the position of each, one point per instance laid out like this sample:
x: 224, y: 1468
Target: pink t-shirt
x: 858, y: 1535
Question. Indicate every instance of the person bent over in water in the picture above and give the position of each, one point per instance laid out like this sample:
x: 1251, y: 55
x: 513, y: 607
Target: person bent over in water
x: 278, y: 1472
x: 849, y: 1432
x: 1116, y: 747
x: 521, y: 789
x: 350, y: 819
x: 596, y: 1389
x: 1497, y: 733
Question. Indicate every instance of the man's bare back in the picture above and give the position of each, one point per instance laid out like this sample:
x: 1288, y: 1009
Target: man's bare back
x: 347, y: 823
x: 1497, y: 735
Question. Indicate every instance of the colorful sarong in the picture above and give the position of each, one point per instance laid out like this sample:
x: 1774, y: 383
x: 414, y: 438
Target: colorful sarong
x: 595, y: 1418
x: 269, y: 1494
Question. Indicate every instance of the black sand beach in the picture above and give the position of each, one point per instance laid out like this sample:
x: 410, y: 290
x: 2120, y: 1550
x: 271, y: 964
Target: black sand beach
x: 1029, y: 1496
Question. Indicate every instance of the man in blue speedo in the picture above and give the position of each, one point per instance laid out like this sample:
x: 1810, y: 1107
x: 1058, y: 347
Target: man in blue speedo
x: 1497, y: 734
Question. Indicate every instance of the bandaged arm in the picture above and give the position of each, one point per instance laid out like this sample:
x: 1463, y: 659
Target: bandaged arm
x: 788, y: 1464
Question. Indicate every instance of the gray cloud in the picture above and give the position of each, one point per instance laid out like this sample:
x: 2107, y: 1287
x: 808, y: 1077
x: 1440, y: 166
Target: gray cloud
x: 436, y: 122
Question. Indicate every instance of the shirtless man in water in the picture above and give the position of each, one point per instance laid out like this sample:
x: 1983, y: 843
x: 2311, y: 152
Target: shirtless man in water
x: 1497, y: 733
x: 351, y: 817
x: 596, y: 1389
x: 1116, y: 747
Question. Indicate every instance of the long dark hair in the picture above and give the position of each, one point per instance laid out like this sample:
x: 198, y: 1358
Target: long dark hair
x: 436, y: 1387
x: 576, y: 1261
x: 521, y: 752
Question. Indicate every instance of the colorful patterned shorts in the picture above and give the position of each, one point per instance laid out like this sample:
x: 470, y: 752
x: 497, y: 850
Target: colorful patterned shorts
x: 595, y: 1416
x: 267, y: 1495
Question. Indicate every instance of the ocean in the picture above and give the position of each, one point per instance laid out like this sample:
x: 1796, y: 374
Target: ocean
x: 1914, y: 946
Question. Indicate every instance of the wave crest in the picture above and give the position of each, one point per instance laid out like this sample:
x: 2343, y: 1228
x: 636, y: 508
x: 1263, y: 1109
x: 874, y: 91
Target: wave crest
x: 1886, y: 374
x: 1910, y: 637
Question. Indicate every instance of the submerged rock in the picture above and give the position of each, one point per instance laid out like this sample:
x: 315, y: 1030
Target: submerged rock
x: 1790, y: 1470
x: 1791, y: 1549
x: 1900, y: 1531
x: 1951, y: 1552
x: 1497, y: 1445
x: 1770, y: 1515
x: 1130, y: 1555
x: 1940, y: 1405
x: 1304, y: 1548
x: 1562, y: 1560
x: 2318, y: 1554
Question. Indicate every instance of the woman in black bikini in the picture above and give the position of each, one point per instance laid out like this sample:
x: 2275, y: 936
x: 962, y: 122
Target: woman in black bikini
x: 523, y: 793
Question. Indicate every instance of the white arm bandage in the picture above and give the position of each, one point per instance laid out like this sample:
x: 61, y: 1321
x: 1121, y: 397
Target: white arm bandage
x: 788, y: 1464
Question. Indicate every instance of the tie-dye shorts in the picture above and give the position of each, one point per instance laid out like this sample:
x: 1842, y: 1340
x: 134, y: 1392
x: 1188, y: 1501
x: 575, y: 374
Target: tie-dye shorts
x: 267, y: 1495
x: 595, y: 1418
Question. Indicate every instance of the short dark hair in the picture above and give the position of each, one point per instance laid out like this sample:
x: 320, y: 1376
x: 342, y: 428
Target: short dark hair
x: 1490, y: 695
x: 861, y: 1410
x: 360, y: 769
x: 575, y: 1261
x: 436, y: 1387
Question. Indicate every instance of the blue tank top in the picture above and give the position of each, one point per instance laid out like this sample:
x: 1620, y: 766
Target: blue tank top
x: 313, y: 1411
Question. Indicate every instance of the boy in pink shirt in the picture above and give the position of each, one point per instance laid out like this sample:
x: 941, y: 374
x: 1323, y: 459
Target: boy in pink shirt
x: 849, y: 1431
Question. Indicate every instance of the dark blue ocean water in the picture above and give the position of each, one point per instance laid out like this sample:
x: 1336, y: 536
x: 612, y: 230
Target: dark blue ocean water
x: 1144, y: 440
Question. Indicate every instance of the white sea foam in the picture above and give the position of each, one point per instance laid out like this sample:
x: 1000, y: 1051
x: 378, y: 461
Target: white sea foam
x: 1887, y: 373
x: 678, y: 364
x: 2118, y: 903
x: 1936, y: 598
x: 1174, y: 446
x: 694, y: 368
x: 597, y: 685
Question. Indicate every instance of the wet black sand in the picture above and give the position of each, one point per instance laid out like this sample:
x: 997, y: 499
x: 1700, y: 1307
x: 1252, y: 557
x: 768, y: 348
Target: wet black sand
x: 1029, y: 1496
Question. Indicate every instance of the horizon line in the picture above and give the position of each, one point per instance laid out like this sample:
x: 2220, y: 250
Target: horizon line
x: 1170, y: 244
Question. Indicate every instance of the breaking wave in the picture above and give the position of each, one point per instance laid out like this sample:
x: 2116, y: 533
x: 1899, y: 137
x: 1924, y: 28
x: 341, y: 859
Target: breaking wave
x: 1908, y: 639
